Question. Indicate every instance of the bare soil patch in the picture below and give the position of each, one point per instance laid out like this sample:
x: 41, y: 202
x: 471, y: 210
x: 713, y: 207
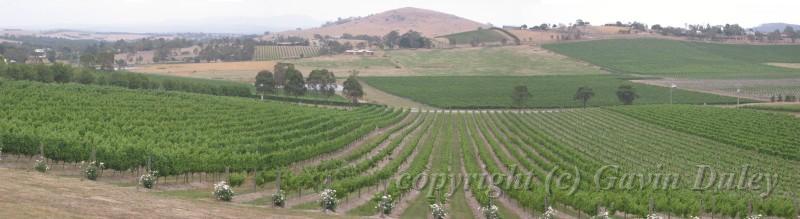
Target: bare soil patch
x: 786, y: 65
x: 28, y: 194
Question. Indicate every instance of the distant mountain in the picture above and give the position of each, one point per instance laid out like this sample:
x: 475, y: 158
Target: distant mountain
x: 429, y: 23
x: 770, y: 27
x: 233, y: 25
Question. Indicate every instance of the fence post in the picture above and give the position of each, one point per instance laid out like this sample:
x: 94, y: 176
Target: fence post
x: 227, y: 175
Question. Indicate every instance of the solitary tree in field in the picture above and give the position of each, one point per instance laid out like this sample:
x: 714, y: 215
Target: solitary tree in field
x: 265, y: 82
x: 295, y: 85
x: 352, y: 89
x: 584, y: 94
x: 791, y: 33
x: 626, y: 94
x: 520, y: 96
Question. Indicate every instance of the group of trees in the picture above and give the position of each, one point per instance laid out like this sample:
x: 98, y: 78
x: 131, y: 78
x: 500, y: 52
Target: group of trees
x: 228, y: 49
x: 781, y: 98
x: 411, y: 39
x: 60, y: 73
x: 291, y: 81
x: 720, y: 32
x: 625, y: 93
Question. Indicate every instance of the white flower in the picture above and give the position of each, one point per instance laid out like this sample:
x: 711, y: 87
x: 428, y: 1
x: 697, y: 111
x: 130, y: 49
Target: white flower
x: 438, y: 211
x: 601, y: 215
x: 755, y: 216
x: 328, y: 199
x: 550, y: 213
x: 223, y: 192
x: 491, y: 212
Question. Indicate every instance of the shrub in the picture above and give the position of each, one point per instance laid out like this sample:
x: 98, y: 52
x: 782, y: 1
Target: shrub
x: 491, y: 212
x: 328, y: 200
x: 386, y: 205
x: 438, y: 211
x: 236, y: 179
x: 550, y: 213
x: 279, y: 199
x: 223, y: 192
x: 92, y: 169
x: 148, y: 180
x: 41, y: 166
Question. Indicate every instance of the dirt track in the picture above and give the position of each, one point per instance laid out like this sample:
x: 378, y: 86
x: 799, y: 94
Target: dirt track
x: 29, y: 194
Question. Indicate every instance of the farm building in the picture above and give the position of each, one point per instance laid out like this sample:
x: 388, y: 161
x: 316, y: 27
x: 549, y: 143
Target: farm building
x: 359, y: 52
x: 185, y: 54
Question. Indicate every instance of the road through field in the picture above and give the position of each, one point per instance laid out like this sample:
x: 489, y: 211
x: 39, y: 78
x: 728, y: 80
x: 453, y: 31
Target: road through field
x: 380, y: 97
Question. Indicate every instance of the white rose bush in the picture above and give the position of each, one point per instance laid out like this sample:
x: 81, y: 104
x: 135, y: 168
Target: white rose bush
x: 223, y: 191
x: 550, y: 213
x: 279, y: 199
x: 92, y: 169
x: 328, y: 200
x: 438, y: 211
x: 386, y: 204
x: 491, y: 212
x: 148, y: 180
x: 41, y: 165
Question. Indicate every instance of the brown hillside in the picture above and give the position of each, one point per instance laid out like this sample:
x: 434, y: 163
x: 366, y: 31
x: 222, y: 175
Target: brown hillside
x: 429, y: 23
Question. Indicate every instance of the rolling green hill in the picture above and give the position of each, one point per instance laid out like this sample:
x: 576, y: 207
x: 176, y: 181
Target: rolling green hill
x: 479, y: 36
x: 684, y: 59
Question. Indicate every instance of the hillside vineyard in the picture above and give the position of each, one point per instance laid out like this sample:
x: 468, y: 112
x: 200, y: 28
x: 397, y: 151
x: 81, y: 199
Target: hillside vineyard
x: 180, y: 132
x: 188, y: 133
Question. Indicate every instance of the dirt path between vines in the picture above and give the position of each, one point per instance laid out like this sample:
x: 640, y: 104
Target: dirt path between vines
x: 354, y: 203
x: 296, y: 167
x: 471, y: 201
x: 406, y: 200
x: 504, y: 200
x: 303, y: 199
x: 34, y: 195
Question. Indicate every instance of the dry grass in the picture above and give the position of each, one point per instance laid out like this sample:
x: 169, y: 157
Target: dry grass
x: 232, y: 71
x: 786, y: 65
x: 378, y: 96
x: 34, y: 195
x: 430, y: 23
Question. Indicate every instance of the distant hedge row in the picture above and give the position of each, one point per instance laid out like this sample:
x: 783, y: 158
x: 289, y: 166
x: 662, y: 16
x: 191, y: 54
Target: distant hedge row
x: 60, y: 73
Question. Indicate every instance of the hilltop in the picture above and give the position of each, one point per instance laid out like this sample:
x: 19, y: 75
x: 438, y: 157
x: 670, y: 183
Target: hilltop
x: 769, y: 27
x: 429, y: 23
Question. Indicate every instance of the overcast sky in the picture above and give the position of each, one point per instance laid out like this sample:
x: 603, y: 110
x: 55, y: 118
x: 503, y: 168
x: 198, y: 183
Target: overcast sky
x: 83, y: 14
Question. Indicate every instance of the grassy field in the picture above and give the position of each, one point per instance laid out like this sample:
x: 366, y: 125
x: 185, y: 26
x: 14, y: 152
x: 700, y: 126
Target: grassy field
x: 511, y: 60
x: 546, y: 91
x: 518, y: 60
x: 685, y: 59
x: 481, y: 36
x: 792, y: 108
x: 759, y: 89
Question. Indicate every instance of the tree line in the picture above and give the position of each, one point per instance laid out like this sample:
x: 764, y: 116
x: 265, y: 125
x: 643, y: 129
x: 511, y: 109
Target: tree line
x: 61, y: 73
x: 290, y: 80
x: 625, y: 94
